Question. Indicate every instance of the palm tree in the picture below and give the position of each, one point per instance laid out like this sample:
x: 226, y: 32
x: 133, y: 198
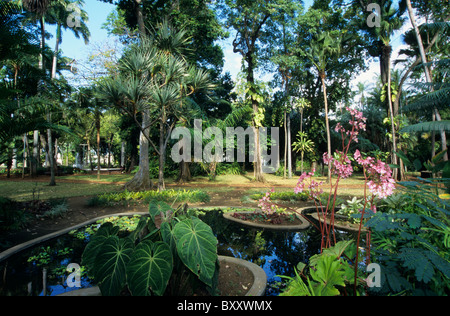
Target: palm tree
x: 429, y: 80
x: 38, y: 8
x: 323, y: 47
x: 303, y: 145
x: 56, y: 14
x: 391, y: 20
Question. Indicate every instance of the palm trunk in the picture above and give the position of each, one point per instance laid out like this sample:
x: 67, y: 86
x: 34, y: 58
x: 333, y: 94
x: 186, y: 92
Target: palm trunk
x: 97, y: 127
x: 162, y: 158
x: 257, y: 171
x: 436, y: 113
x: 327, y: 124
x: 50, y: 153
x: 289, y: 157
x: 394, y: 137
x: 285, y: 145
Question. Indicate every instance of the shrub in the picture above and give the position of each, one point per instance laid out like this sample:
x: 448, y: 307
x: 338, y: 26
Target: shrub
x: 282, y: 196
x: 192, y: 196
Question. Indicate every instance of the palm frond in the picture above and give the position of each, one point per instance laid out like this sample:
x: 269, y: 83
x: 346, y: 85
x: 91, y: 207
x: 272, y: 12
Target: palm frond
x: 437, y: 126
x: 438, y: 98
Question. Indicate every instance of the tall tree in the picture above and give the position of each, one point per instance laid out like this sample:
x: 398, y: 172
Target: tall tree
x: 155, y: 79
x: 38, y: 8
x: 429, y: 80
x: 248, y: 19
x: 391, y: 20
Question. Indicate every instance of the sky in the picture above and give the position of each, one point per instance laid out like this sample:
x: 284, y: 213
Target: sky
x: 98, y: 11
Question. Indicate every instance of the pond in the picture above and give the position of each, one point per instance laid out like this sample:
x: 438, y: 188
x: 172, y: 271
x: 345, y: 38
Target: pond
x: 41, y: 270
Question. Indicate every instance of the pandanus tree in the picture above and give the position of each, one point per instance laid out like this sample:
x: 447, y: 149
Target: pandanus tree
x: 155, y: 80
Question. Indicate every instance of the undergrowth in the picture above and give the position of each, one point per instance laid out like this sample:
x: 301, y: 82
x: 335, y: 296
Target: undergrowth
x: 192, y: 196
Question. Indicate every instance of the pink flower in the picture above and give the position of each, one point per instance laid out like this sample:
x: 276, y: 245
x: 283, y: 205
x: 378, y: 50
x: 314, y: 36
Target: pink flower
x: 381, y: 184
x: 326, y: 158
x: 312, y: 187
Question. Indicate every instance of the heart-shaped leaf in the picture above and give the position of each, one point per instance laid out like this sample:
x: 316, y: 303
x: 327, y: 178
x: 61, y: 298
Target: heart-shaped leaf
x: 150, y: 268
x: 157, y: 207
x: 197, y: 248
x: 90, y: 252
x: 110, y: 265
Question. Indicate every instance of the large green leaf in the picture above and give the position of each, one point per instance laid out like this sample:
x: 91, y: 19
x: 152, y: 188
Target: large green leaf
x: 157, y: 207
x: 90, y: 252
x: 197, y: 248
x: 110, y: 265
x: 329, y: 273
x: 150, y: 268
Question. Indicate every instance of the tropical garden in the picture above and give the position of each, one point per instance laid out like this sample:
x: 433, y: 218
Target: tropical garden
x: 84, y: 138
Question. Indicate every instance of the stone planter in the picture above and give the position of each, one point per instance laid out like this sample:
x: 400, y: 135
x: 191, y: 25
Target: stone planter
x: 304, y: 224
x: 341, y: 222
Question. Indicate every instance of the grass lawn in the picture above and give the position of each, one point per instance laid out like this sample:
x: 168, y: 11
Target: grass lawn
x: 23, y: 190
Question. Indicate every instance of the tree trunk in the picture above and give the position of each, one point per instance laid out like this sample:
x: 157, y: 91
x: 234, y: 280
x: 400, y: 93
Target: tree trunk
x: 289, y: 157
x: 141, y: 180
x: 162, y: 156
x: 426, y: 70
x: 393, y: 131
x: 257, y: 171
x: 50, y: 153
x: 55, y: 52
x: 97, y: 127
x: 327, y: 123
x: 140, y: 17
x: 285, y: 145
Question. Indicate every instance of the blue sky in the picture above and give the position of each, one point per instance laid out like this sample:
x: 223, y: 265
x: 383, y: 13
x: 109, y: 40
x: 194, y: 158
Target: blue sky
x: 75, y: 48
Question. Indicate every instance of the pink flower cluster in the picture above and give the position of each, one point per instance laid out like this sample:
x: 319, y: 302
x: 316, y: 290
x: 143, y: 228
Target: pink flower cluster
x: 381, y: 183
x: 312, y: 186
x: 341, y: 166
x: 358, y: 122
x: 266, y: 204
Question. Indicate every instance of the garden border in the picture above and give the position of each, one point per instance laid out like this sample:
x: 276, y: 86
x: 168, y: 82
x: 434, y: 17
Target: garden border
x: 18, y: 248
x: 303, y: 226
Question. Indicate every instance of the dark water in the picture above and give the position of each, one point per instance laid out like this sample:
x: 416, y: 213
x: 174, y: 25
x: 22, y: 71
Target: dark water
x: 276, y: 252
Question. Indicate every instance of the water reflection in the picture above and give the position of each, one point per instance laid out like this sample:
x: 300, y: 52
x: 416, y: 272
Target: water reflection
x: 276, y: 252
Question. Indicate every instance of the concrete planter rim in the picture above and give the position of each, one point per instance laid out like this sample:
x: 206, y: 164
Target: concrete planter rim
x: 305, y: 224
x: 337, y: 216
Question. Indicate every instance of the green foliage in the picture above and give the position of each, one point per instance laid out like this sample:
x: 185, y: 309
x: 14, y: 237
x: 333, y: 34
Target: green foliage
x: 282, y: 196
x: 353, y: 206
x: 169, y: 252
x: 147, y: 196
x: 329, y: 274
x: 410, y: 242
